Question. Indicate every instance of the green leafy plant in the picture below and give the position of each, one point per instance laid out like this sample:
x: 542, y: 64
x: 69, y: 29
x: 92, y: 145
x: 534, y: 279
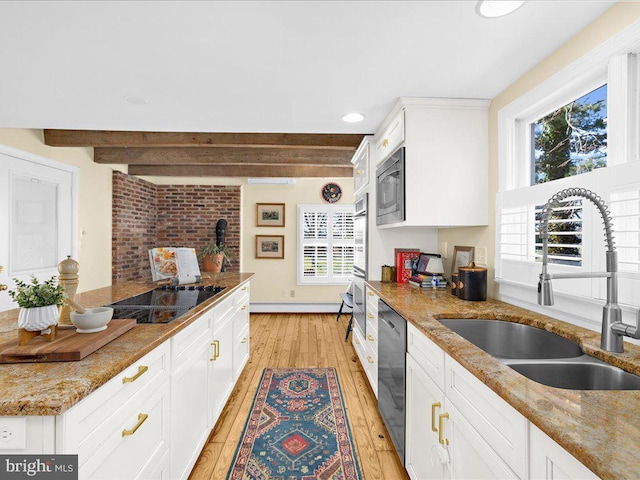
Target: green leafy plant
x: 36, y: 294
x: 213, y: 249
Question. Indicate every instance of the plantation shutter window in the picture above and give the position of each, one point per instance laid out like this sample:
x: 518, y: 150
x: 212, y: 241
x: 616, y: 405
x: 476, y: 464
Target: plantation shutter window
x: 325, y: 244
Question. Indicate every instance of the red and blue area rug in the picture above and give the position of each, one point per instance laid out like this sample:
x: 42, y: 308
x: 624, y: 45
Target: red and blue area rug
x: 297, y: 429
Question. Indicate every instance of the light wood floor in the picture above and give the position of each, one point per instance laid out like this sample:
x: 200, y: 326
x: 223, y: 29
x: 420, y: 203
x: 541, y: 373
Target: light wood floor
x: 303, y: 340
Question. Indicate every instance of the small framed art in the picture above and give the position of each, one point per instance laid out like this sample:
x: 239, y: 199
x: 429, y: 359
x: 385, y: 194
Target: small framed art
x: 269, y: 214
x: 462, y: 256
x: 269, y: 246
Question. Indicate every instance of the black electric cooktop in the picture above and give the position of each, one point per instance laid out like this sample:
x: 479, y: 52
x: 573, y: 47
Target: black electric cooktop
x: 163, y: 304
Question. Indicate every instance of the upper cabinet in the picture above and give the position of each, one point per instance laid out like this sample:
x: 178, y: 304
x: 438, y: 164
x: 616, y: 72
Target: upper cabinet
x: 446, y: 160
x: 362, y: 165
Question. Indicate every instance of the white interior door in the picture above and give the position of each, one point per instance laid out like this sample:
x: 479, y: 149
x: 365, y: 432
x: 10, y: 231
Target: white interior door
x: 36, y: 219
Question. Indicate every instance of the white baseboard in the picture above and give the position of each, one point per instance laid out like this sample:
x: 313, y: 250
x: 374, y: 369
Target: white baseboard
x: 280, y: 307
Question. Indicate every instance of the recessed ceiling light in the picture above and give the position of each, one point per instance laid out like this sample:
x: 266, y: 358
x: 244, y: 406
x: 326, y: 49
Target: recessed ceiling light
x: 353, y: 117
x: 134, y: 100
x: 497, y: 8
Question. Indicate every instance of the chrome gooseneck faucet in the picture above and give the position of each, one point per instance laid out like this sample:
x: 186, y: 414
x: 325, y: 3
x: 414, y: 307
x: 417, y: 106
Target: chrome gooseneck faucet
x: 613, y: 330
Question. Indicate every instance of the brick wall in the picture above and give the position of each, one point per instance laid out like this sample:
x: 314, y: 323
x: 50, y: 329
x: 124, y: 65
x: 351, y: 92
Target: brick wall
x: 147, y: 215
x: 187, y: 217
x: 134, y: 217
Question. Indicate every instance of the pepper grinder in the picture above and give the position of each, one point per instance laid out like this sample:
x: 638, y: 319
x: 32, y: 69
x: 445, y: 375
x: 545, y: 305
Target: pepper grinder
x: 68, y: 279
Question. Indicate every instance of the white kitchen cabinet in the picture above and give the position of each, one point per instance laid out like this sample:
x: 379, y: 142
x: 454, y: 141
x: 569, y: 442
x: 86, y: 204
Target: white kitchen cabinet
x: 220, y: 367
x: 189, y: 395
x: 441, y: 441
x: 362, y: 165
x: 371, y: 340
x: 122, y: 429
x: 446, y: 160
x: 425, y: 401
x: 241, y: 333
x: 390, y: 136
x: 549, y: 461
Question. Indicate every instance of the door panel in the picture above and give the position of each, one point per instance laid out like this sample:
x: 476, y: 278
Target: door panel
x: 36, y: 221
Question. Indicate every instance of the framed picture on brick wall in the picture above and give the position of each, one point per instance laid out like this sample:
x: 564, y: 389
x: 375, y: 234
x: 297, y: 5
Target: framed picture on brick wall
x: 269, y: 214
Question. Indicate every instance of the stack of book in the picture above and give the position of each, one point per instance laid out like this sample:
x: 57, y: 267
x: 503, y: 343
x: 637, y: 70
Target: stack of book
x: 424, y: 280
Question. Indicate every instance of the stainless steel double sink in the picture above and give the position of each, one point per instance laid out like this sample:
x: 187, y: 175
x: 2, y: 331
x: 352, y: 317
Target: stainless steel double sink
x: 542, y: 356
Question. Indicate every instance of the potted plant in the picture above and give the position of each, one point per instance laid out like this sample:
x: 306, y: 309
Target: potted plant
x: 214, y: 256
x: 38, y: 303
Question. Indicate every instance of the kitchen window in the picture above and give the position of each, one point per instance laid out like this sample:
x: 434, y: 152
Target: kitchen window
x: 579, y: 128
x: 325, y: 244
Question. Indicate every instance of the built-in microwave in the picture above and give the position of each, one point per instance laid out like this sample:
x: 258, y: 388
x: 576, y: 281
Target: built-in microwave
x: 390, y: 185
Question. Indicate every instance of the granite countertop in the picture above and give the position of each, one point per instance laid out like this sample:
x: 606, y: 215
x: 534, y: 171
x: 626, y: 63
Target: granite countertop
x: 599, y: 428
x: 51, y: 388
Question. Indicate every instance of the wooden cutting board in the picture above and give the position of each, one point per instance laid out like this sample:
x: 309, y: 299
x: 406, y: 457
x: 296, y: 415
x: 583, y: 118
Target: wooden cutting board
x: 68, y: 345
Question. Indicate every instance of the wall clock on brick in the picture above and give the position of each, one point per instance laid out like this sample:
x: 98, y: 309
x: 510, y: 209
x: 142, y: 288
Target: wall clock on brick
x: 331, y: 192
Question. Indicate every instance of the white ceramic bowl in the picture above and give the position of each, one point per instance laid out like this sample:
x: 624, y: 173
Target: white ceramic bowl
x: 92, y: 320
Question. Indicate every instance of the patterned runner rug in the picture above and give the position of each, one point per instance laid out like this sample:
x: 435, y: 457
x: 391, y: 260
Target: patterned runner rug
x: 297, y: 429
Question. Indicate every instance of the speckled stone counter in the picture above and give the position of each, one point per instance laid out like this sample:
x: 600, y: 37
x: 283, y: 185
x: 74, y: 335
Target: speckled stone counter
x: 52, y: 388
x: 599, y: 428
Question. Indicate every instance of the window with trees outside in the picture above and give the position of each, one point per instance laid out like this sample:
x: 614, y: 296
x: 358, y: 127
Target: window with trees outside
x: 577, y: 129
x: 325, y: 244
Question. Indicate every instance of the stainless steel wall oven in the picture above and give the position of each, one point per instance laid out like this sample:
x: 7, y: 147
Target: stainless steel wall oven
x: 390, y: 187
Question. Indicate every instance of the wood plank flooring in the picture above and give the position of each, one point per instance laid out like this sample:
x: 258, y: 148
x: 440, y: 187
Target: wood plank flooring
x: 303, y: 340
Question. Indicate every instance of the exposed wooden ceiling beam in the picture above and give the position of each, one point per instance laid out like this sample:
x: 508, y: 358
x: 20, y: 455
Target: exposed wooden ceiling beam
x: 219, y: 155
x: 244, y: 170
x: 104, y: 138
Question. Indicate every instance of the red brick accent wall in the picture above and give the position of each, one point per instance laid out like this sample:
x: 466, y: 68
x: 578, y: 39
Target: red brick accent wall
x: 134, y: 217
x: 187, y: 217
x: 147, y: 215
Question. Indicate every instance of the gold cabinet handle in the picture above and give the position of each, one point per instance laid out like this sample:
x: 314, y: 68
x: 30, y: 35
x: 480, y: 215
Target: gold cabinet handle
x: 244, y: 289
x: 141, y: 370
x: 369, y: 359
x: 358, y: 172
x: 441, y: 439
x: 216, y: 350
x: 370, y: 294
x: 385, y: 142
x: 370, y: 338
x: 244, y: 307
x: 141, y: 419
x: 370, y: 316
x: 244, y: 340
x: 356, y: 342
x: 2, y: 286
x: 433, y: 415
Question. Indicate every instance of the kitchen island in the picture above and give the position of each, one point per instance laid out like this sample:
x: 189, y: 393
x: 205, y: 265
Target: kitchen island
x: 52, y: 388
x: 599, y: 428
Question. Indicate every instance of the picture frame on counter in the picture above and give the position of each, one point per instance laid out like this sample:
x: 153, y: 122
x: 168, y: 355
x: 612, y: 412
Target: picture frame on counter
x: 270, y: 246
x: 270, y: 214
x: 462, y: 256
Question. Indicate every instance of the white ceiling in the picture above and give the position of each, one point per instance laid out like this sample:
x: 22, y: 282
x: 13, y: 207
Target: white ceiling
x: 284, y: 66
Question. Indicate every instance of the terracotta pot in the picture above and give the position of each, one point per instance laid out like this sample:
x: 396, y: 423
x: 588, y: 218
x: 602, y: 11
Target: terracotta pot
x: 213, y: 263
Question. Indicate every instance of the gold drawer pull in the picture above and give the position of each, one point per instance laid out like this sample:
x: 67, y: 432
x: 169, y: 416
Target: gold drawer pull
x: 358, y: 172
x: 370, y: 294
x: 244, y: 340
x: 216, y: 350
x: 244, y: 289
x: 370, y: 316
x: 433, y: 415
x: 385, y: 142
x: 141, y: 370
x: 370, y: 338
x: 141, y: 419
x: 443, y: 441
x: 356, y: 342
x: 369, y: 359
x: 244, y: 308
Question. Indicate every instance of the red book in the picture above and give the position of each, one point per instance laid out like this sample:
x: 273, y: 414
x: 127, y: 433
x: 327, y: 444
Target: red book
x: 404, y: 258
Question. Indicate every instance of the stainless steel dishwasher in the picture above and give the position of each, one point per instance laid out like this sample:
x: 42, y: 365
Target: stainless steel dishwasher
x: 392, y: 347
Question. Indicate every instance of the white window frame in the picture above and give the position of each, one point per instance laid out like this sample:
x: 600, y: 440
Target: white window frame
x: 330, y: 279
x: 577, y: 301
